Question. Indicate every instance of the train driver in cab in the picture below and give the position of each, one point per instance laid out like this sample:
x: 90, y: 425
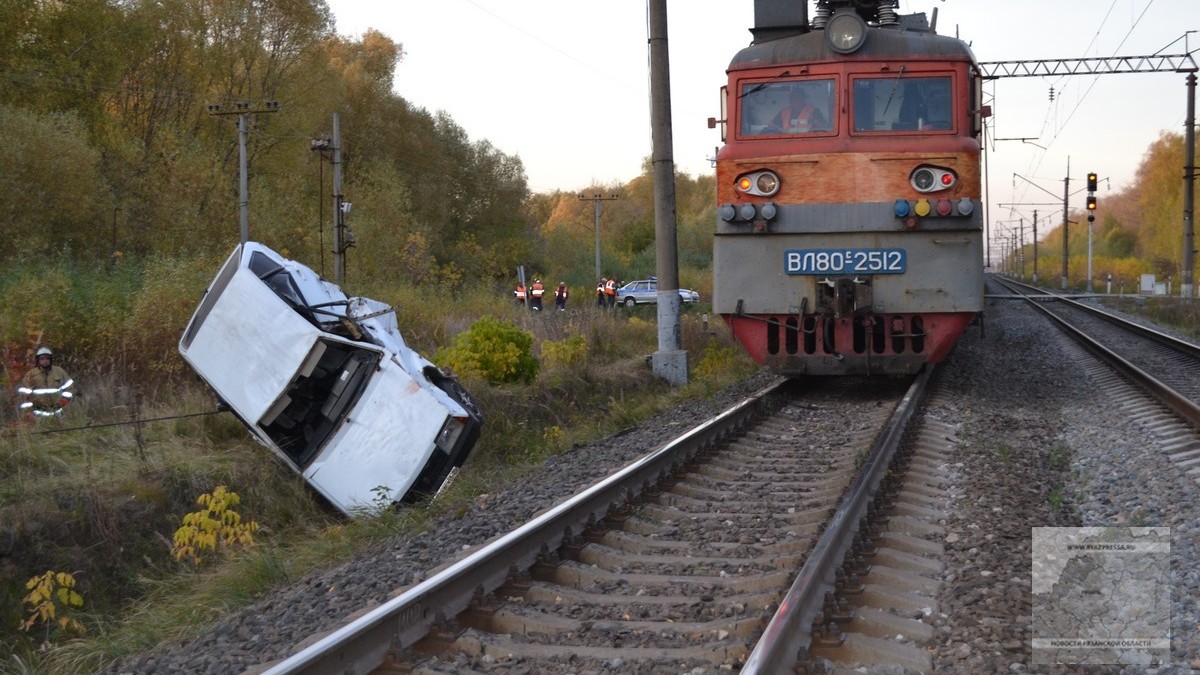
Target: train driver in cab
x: 800, y: 116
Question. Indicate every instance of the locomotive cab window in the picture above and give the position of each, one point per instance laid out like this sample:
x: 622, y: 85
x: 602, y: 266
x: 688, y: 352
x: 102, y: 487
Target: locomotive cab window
x: 904, y: 104
x: 787, y: 107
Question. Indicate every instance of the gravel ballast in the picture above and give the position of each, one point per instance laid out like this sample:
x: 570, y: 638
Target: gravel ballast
x: 1039, y: 445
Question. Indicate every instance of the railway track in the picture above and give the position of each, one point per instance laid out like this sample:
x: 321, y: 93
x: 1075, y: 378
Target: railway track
x: 1165, y: 367
x: 1153, y: 377
x: 676, y: 562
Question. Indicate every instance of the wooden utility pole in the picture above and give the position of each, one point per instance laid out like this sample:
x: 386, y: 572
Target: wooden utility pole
x: 596, y: 199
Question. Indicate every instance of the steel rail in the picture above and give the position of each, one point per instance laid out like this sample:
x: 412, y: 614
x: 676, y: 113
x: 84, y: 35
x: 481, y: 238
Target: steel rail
x: 788, y: 636
x: 1180, y: 404
x: 362, y: 645
x: 1161, y: 338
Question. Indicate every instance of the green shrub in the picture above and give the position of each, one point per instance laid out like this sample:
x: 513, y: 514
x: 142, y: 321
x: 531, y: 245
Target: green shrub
x: 492, y: 350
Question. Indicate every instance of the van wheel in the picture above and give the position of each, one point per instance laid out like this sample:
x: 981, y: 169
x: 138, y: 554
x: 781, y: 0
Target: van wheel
x: 456, y: 391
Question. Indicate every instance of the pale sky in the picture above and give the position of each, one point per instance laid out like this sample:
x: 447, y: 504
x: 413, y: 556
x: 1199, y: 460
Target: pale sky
x: 564, y: 84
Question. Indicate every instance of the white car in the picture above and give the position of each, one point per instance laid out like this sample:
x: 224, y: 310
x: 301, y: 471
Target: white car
x: 645, y: 292
x: 326, y: 382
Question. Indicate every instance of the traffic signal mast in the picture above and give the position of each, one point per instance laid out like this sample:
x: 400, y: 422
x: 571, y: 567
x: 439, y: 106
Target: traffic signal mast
x: 1091, y: 197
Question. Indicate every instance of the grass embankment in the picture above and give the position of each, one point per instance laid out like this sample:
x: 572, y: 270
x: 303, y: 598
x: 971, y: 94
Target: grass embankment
x: 102, y: 503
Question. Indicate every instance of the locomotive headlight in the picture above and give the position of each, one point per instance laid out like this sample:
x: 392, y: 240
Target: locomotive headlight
x: 845, y: 32
x: 759, y: 183
x: 922, y: 180
x: 927, y: 178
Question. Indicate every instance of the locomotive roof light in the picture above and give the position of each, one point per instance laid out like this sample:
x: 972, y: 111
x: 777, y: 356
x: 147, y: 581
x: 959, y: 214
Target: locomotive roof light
x: 728, y: 212
x: 758, y: 183
x: 927, y: 178
x: 922, y: 207
x: 901, y: 208
x: 846, y: 32
x: 944, y: 207
x: 769, y: 211
x: 746, y: 212
x: 965, y: 206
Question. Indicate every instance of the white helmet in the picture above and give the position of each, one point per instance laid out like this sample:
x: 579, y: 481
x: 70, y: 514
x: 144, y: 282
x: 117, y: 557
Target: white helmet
x: 45, y: 351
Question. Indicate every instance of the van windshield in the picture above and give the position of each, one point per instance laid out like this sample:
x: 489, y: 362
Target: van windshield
x: 328, y: 383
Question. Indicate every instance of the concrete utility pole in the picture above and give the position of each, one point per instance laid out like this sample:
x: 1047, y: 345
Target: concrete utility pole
x: 670, y: 361
x: 242, y: 109
x: 323, y: 146
x: 596, y: 199
x: 342, y: 237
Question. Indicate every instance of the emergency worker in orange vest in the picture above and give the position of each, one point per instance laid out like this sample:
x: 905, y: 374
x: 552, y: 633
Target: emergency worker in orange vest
x: 560, y: 296
x: 520, y: 293
x: 610, y: 292
x: 799, y: 116
x: 535, y: 292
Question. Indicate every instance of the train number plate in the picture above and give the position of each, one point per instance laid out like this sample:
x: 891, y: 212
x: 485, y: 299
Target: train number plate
x: 845, y: 261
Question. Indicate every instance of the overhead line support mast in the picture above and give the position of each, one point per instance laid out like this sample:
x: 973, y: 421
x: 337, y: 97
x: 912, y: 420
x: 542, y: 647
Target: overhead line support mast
x: 1155, y: 63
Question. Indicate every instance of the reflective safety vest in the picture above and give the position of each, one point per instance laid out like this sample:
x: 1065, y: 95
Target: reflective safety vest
x: 537, y: 289
x: 801, y: 120
x: 45, y: 392
x: 610, y: 288
x: 520, y: 292
x: 560, y: 293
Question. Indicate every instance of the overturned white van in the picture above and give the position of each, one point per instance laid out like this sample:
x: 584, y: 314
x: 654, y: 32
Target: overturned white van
x: 326, y: 382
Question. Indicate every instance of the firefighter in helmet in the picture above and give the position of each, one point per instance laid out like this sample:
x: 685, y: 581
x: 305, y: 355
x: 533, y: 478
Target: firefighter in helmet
x: 46, y: 389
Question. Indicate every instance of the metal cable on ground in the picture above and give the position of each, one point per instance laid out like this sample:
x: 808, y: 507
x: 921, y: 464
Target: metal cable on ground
x: 14, y: 432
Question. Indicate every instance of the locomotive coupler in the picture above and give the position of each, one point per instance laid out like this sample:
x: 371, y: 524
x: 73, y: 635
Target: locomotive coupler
x: 844, y: 295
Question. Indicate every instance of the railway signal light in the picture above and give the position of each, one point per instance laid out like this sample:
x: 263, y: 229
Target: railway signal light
x: 1091, y: 203
x: 1092, y: 183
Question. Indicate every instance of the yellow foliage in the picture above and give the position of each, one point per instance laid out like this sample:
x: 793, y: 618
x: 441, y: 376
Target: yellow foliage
x: 571, y: 352
x: 215, y: 527
x: 717, y: 358
x: 51, y: 596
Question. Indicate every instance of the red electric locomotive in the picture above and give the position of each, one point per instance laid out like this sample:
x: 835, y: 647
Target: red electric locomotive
x: 849, y: 237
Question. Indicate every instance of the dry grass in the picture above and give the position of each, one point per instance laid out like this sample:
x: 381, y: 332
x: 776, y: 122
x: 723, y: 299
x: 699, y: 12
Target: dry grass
x: 103, y: 503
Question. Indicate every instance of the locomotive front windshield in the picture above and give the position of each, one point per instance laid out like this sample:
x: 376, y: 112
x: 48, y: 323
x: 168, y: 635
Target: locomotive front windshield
x: 902, y: 103
x: 788, y: 107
